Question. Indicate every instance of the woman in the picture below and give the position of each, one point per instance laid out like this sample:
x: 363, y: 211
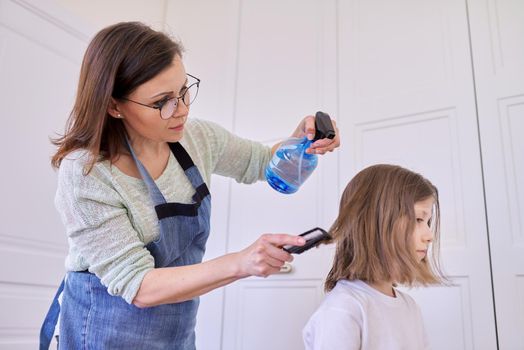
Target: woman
x: 133, y: 196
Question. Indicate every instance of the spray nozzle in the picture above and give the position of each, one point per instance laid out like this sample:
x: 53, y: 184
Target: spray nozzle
x: 323, y: 126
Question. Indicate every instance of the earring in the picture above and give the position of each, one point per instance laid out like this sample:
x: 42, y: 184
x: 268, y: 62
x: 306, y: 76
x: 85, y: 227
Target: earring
x: 119, y: 115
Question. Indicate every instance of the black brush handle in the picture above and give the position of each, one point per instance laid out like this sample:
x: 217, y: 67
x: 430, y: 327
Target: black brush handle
x: 320, y: 236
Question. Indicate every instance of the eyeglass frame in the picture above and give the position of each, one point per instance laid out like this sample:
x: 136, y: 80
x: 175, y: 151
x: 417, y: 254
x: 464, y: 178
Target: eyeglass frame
x: 159, y: 105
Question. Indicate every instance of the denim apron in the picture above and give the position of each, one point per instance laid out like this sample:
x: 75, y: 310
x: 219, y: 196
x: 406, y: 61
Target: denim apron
x: 90, y: 318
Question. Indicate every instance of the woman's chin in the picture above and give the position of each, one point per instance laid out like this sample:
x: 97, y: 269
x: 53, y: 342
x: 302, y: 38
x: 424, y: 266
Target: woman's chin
x: 175, y: 136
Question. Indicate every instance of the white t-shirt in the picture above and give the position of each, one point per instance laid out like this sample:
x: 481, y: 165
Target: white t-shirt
x: 356, y: 316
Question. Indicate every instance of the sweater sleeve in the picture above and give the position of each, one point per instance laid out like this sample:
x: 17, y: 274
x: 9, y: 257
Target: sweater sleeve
x: 232, y: 156
x: 99, y: 229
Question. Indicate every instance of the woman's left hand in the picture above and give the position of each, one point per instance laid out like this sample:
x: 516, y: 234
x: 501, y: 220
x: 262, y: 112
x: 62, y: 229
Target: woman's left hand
x: 307, y: 128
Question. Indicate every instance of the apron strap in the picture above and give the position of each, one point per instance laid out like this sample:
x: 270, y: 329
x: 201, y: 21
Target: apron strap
x: 48, y: 327
x: 174, y: 209
x: 181, y: 155
x: 167, y: 210
x: 200, y: 193
x: 192, y: 173
x: 184, y: 159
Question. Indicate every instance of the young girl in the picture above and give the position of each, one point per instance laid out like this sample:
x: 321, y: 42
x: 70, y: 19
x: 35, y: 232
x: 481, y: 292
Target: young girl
x: 388, y: 218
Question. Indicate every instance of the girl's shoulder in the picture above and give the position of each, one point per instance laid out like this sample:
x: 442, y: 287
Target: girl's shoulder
x: 406, y: 299
x: 353, y: 287
x: 359, y: 292
x: 348, y: 294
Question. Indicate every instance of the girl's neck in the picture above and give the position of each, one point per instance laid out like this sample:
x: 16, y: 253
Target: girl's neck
x: 383, y: 287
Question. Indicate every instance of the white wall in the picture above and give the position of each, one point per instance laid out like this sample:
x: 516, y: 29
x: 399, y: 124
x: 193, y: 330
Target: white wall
x: 40, y: 53
x: 101, y: 13
x: 211, y: 32
x: 499, y: 75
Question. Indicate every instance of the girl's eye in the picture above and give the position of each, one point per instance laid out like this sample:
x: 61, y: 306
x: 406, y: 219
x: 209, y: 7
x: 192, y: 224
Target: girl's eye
x: 419, y: 220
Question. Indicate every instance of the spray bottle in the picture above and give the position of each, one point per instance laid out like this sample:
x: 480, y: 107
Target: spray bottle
x: 291, y: 165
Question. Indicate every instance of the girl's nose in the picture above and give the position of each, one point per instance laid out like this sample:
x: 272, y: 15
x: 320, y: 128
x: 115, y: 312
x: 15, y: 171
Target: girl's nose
x: 428, y: 235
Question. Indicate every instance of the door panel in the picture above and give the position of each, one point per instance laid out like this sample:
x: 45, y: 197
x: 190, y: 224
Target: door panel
x: 448, y: 314
x: 407, y: 97
x: 40, y: 54
x: 498, y: 53
x: 425, y: 130
x: 267, y: 318
x: 285, y: 70
x: 206, y: 31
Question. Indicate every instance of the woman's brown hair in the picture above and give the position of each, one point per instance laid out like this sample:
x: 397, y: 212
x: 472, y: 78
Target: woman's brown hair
x: 119, y: 59
x: 374, y: 227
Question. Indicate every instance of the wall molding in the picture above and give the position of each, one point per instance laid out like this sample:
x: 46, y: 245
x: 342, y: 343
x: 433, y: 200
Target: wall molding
x: 48, y: 12
x: 445, y: 113
x: 508, y: 137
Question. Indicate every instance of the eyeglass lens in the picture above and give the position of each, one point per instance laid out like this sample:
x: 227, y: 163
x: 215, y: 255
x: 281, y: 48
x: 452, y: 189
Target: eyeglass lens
x: 188, y: 98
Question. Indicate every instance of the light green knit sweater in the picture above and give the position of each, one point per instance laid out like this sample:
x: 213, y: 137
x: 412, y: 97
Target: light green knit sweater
x: 108, y: 215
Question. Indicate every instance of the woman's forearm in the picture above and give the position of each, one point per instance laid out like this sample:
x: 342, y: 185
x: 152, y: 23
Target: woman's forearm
x: 176, y: 284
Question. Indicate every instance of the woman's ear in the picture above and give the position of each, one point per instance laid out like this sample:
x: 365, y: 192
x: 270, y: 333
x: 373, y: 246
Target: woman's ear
x: 113, y: 111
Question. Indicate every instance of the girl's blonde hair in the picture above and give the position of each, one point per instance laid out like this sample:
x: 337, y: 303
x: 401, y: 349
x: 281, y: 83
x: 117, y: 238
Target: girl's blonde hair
x: 374, y: 228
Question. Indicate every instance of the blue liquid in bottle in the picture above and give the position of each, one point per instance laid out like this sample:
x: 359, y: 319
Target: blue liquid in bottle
x: 291, y: 165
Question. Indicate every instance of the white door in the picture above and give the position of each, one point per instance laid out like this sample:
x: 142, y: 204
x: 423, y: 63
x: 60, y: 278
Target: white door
x: 209, y: 36
x: 286, y: 69
x: 266, y: 65
x: 398, y: 78
x: 272, y: 63
x: 498, y: 56
x: 40, y: 54
x: 407, y: 97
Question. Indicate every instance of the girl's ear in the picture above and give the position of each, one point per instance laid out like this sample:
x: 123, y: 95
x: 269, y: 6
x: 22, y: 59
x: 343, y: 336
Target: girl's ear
x: 113, y: 111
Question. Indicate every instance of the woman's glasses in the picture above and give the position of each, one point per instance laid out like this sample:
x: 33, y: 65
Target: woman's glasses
x: 168, y: 105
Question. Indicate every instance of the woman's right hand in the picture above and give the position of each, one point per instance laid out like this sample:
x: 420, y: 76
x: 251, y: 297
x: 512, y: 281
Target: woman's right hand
x: 265, y: 256
x: 169, y: 285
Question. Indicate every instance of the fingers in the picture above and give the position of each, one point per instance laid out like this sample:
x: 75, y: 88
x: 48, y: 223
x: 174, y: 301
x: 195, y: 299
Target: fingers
x: 267, y: 270
x: 275, y: 263
x: 266, y: 257
x: 306, y: 127
x: 264, y: 264
x: 325, y: 145
x: 282, y: 239
x: 279, y: 254
x: 309, y: 127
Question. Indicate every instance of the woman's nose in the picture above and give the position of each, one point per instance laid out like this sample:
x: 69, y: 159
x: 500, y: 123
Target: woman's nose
x: 181, y: 110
